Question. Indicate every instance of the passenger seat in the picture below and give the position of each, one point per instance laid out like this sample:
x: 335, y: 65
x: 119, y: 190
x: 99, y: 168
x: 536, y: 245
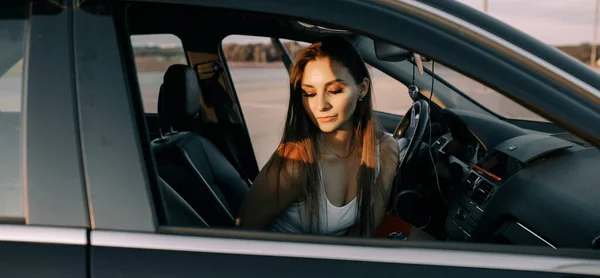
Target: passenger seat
x: 176, y: 212
x: 189, y: 162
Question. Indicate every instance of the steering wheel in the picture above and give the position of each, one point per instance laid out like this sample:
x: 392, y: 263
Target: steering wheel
x: 410, y: 131
x: 409, y: 203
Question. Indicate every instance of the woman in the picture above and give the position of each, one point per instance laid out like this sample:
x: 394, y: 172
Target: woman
x: 333, y: 170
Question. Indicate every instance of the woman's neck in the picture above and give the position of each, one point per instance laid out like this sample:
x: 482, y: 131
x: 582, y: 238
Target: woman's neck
x: 338, y: 141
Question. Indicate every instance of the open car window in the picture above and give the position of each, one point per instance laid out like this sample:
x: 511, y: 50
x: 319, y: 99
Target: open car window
x: 153, y: 55
x: 260, y: 82
x: 389, y: 94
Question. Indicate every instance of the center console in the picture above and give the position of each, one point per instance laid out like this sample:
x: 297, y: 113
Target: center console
x: 476, y: 190
x: 489, y: 174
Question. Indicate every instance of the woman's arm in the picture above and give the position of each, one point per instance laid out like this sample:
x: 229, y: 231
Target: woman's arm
x: 271, y: 193
x: 389, y: 165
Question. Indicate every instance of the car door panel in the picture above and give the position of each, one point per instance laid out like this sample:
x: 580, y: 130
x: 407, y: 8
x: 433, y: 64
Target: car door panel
x: 158, y: 263
x: 164, y: 255
x: 52, y: 131
x: 25, y: 259
x: 35, y: 251
x: 32, y: 244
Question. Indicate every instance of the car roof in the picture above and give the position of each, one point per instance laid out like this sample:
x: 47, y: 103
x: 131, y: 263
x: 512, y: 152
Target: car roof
x: 217, y: 23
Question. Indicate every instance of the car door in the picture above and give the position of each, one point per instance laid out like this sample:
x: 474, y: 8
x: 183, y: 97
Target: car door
x: 128, y: 238
x: 43, y: 208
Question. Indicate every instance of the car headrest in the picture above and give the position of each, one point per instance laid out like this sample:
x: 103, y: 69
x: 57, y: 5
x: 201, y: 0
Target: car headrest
x: 179, y: 97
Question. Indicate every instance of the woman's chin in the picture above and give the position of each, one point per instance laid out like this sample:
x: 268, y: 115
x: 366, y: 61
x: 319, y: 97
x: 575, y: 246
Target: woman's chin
x: 326, y: 127
x: 334, y: 126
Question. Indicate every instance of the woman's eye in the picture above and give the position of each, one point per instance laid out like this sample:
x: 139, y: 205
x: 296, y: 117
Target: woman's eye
x: 336, y: 91
x: 307, y: 94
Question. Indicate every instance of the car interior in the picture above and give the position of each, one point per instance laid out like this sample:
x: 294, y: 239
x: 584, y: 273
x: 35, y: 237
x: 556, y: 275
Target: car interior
x: 471, y: 175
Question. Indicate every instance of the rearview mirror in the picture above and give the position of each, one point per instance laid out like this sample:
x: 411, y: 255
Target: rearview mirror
x: 391, y: 53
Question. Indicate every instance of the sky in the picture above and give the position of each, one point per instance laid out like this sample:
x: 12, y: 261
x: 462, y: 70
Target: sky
x: 555, y: 22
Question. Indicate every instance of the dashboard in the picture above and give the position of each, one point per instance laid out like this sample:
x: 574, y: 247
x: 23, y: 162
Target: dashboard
x: 518, y: 186
x: 468, y: 152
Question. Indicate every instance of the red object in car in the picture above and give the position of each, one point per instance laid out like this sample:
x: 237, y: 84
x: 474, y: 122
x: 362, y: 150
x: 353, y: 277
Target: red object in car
x: 393, y: 224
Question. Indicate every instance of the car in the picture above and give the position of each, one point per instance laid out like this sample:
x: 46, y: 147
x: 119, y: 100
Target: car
x: 93, y: 185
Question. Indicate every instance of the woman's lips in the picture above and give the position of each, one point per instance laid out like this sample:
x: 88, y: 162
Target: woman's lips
x: 326, y: 119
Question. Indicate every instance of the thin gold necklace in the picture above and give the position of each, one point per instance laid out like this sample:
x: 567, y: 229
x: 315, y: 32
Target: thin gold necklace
x: 340, y: 157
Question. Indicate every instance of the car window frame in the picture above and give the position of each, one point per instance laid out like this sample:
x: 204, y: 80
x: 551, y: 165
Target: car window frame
x: 56, y: 216
x: 115, y: 147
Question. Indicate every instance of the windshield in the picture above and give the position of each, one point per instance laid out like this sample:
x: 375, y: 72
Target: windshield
x: 465, y: 93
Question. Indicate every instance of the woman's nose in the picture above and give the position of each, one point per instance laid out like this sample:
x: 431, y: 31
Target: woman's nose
x: 323, y: 103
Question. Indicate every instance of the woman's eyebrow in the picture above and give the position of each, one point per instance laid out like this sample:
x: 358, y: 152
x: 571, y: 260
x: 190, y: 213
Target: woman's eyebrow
x: 334, y: 81
x: 326, y: 84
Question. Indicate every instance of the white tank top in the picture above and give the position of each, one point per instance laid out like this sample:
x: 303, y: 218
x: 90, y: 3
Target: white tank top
x: 333, y: 220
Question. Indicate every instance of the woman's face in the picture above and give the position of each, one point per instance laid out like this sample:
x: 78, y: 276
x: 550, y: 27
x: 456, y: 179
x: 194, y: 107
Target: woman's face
x: 330, y: 94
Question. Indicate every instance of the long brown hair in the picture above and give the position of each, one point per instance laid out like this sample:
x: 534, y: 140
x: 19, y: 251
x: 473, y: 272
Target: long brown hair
x: 297, y: 154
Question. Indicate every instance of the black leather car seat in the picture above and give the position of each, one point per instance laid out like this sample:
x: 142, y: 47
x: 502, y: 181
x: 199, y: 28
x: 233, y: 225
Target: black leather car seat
x: 176, y: 211
x: 189, y: 162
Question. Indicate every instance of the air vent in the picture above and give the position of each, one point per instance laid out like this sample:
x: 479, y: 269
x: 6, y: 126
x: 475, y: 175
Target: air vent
x: 470, y: 182
x: 482, y: 192
x: 439, y: 143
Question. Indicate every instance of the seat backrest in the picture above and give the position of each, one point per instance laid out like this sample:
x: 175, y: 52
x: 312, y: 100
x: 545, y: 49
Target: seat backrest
x: 189, y: 162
